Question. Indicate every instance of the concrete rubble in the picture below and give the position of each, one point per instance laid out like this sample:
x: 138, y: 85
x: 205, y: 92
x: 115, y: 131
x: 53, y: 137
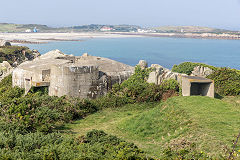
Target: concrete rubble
x: 76, y: 76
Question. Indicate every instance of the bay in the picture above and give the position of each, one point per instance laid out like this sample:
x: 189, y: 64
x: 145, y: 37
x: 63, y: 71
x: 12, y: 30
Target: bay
x: 155, y: 50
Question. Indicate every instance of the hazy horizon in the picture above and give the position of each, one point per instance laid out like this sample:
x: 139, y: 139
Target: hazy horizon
x: 58, y: 13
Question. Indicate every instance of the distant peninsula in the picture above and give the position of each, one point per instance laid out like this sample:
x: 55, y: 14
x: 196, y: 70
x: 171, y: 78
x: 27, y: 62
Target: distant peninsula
x: 36, y: 33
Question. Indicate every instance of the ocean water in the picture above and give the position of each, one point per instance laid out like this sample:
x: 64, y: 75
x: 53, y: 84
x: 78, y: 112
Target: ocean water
x: 155, y: 50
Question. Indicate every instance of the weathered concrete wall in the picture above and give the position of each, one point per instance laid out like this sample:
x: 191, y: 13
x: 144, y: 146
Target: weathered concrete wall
x: 74, y: 81
x: 25, y: 78
x: 5, y: 69
x: 186, y: 87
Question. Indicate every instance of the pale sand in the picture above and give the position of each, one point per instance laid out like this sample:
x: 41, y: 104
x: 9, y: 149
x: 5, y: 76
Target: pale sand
x: 46, y: 37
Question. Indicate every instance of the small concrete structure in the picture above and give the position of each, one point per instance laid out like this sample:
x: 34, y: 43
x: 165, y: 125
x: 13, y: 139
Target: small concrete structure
x: 192, y: 85
x: 76, y: 76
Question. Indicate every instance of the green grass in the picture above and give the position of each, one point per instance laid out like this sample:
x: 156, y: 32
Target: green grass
x: 209, y: 123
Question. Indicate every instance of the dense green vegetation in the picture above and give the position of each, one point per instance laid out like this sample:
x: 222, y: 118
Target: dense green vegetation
x: 37, y: 111
x: 29, y: 126
x: 95, y: 145
x: 35, y: 115
x: 15, y: 54
x: 37, y: 126
x: 227, y: 81
x: 137, y: 90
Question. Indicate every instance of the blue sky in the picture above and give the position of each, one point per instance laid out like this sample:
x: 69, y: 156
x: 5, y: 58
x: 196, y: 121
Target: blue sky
x: 212, y: 13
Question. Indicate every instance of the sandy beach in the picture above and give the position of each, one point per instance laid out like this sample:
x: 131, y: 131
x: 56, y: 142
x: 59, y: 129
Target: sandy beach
x: 47, y: 37
x: 18, y: 38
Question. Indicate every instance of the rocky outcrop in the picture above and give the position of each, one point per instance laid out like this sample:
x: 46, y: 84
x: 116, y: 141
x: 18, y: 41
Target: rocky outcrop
x: 15, y: 55
x: 5, y: 69
x: 143, y: 64
x: 4, y: 43
x: 159, y: 74
x: 201, y: 71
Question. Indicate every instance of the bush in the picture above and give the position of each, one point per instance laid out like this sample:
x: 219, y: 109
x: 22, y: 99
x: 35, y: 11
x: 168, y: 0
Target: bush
x: 95, y: 145
x: 136, y: 89
x: 37, y: 111
x: 7, y: 92
x: 44, y: 113
x: 187, y: 67
x: 227, y: 81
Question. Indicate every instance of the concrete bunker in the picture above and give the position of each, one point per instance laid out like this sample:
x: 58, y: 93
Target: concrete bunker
x: 192, y: 85
x: 75, y: 76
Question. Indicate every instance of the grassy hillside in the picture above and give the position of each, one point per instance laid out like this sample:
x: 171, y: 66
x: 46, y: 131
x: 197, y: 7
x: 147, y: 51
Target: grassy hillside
x: 208, y: 124
x: 8, y: 27
x: 187, y: 29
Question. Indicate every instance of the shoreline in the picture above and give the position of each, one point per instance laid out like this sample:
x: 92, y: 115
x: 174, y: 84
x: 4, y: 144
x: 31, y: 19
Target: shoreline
x: 39, y: 38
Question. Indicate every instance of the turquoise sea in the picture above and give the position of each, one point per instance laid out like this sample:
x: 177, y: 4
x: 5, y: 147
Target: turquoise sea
x: 156, y: 50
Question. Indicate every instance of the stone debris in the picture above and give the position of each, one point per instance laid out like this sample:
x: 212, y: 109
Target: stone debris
x: 143, y: 64
x: 159, y: 74
x: 201, y: 71
x: 4, y: 43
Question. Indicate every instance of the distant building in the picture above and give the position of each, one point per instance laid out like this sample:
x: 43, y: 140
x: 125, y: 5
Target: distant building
x: 35, y: 30
x: 146, y: 31
x: 28, y: 30
x: 105, y: 28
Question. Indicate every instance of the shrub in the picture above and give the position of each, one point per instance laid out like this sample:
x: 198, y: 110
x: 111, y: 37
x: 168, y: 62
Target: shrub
x: 170, y: 84
x: 44, y: 113
x: 187, y: 67
x: 227, y: 81
x: 7, y: 92
x: 37, y: 111
x: 137, y: 89
x: 95, y: 145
